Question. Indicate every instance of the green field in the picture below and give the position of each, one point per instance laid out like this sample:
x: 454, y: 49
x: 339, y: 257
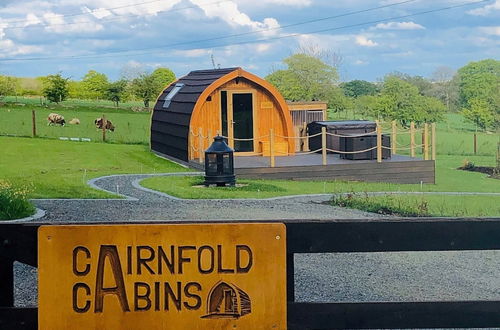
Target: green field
x: 60, y: 169
x: 39, y: 100
x: 131, y: 127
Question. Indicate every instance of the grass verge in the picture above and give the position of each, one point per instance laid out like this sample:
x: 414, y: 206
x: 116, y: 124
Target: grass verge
x: 61, y: 169
x: 14, y: 203
x: 422, y: 205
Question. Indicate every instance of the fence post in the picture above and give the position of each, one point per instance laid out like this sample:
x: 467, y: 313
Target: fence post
x: 33, y: 120
x: 200, y: 145
x: 305, y: 140
x: 104, y: 122
x: 394, y: 137
x: 412, y: 139
x: 379, y: 142
x: 209, y: 138
x: 323, y: 144
x: 475, y: 143
x: 433, y: 143
x: 426, y: 141
x: 271, y: 147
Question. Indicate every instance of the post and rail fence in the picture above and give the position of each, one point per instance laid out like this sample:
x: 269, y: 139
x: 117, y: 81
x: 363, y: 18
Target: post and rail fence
x: 198, y: 142
x: 18, y: 242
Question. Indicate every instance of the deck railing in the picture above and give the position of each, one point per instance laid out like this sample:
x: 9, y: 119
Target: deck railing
x: 200, y: 140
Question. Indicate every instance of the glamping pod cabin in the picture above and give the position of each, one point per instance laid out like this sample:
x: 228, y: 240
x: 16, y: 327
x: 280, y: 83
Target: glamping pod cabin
x: 231, y: 102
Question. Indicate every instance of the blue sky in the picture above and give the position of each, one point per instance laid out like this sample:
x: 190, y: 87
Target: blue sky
x: 121, y: 37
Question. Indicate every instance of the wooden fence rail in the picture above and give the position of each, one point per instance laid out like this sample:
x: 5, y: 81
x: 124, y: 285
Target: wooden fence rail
x: 19, y: 242
x: 428, y: 142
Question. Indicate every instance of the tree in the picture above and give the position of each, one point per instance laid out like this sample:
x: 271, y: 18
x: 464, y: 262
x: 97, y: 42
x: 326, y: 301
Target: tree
x: 400, y: 100
x: 55, y: 88
x: 306, y: 78
x: 95, y: 84
x: 148, y: 86
x: 356, y: 88
x: 478, y: 113
x: 423, y: 85
x: 480, y: 81
x: 8, y: 86
x: 116, y: 91
x: 162, y: 77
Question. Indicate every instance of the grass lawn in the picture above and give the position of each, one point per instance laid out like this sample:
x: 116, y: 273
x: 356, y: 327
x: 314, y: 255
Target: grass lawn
x: 447, y: 179
x: 424, y: 205
x: 131, y: 127
x: 60, y: 169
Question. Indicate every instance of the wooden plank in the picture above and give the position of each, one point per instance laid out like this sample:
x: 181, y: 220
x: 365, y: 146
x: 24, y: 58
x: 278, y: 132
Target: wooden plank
x: 393, y: 235
x: 336, y: 171
x: 394, y: 315
x: 6, y: 282
x: 344, y: 166
x: 337, y: 175
x: 19, y: 242
x: 18, y: 318
x: 290, y: 277
x: 333, y: 175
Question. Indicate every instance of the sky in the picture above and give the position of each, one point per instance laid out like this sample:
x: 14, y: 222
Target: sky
x: 365, y: 39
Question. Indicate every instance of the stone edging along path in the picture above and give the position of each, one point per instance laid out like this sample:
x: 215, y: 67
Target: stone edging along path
x: 138, y: 202
x: 136, y: 184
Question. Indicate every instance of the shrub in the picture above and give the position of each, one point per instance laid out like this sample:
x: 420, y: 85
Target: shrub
x: 14, y: 203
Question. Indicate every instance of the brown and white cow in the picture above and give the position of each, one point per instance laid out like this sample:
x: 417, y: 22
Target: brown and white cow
x: 109, y: 125
x: 55, y: 119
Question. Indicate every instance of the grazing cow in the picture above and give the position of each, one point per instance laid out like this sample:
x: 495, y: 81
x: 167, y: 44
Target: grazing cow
x: 109, y: 125
x: 75, y: 121
x: 55, y: 119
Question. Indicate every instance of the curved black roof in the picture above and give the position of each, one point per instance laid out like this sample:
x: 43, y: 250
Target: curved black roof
x: 170, y: 125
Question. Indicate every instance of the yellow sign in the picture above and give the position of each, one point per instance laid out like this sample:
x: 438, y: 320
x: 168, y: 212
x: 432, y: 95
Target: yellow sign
x: 193, y: 276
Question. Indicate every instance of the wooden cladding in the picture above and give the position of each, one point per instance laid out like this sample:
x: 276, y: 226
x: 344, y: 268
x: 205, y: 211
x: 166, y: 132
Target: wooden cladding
x: 267, y: 114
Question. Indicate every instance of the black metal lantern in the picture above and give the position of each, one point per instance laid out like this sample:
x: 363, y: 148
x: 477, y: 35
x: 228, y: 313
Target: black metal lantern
x: 219, y: 164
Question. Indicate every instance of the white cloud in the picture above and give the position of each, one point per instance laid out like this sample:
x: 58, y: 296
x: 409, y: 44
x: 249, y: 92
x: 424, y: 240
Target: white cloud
x: 399, y: 26
x: 365, y: 42
x: 229, y: 12
x: 193, y: 52
x: 491, y: 30
x: 361, y: 62
x: 10, y: 48
x: 98, y: 13
x: 486, y: 10
x: 261, y: 48
x: 32, y: 19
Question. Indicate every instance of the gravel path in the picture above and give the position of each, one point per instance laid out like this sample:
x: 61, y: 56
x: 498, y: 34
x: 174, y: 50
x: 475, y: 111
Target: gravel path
x: 404, y: 276
x: 145, y: 204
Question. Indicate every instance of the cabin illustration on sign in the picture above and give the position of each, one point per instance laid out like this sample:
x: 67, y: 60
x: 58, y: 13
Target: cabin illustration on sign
x: 230, y: 102
x: 227, y: 301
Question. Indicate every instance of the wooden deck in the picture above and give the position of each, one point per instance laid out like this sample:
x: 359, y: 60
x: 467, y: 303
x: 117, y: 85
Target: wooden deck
x: 397, y: 169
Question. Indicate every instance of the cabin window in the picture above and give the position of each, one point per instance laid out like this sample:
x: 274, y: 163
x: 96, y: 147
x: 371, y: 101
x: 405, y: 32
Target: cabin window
x: 171, y: 94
